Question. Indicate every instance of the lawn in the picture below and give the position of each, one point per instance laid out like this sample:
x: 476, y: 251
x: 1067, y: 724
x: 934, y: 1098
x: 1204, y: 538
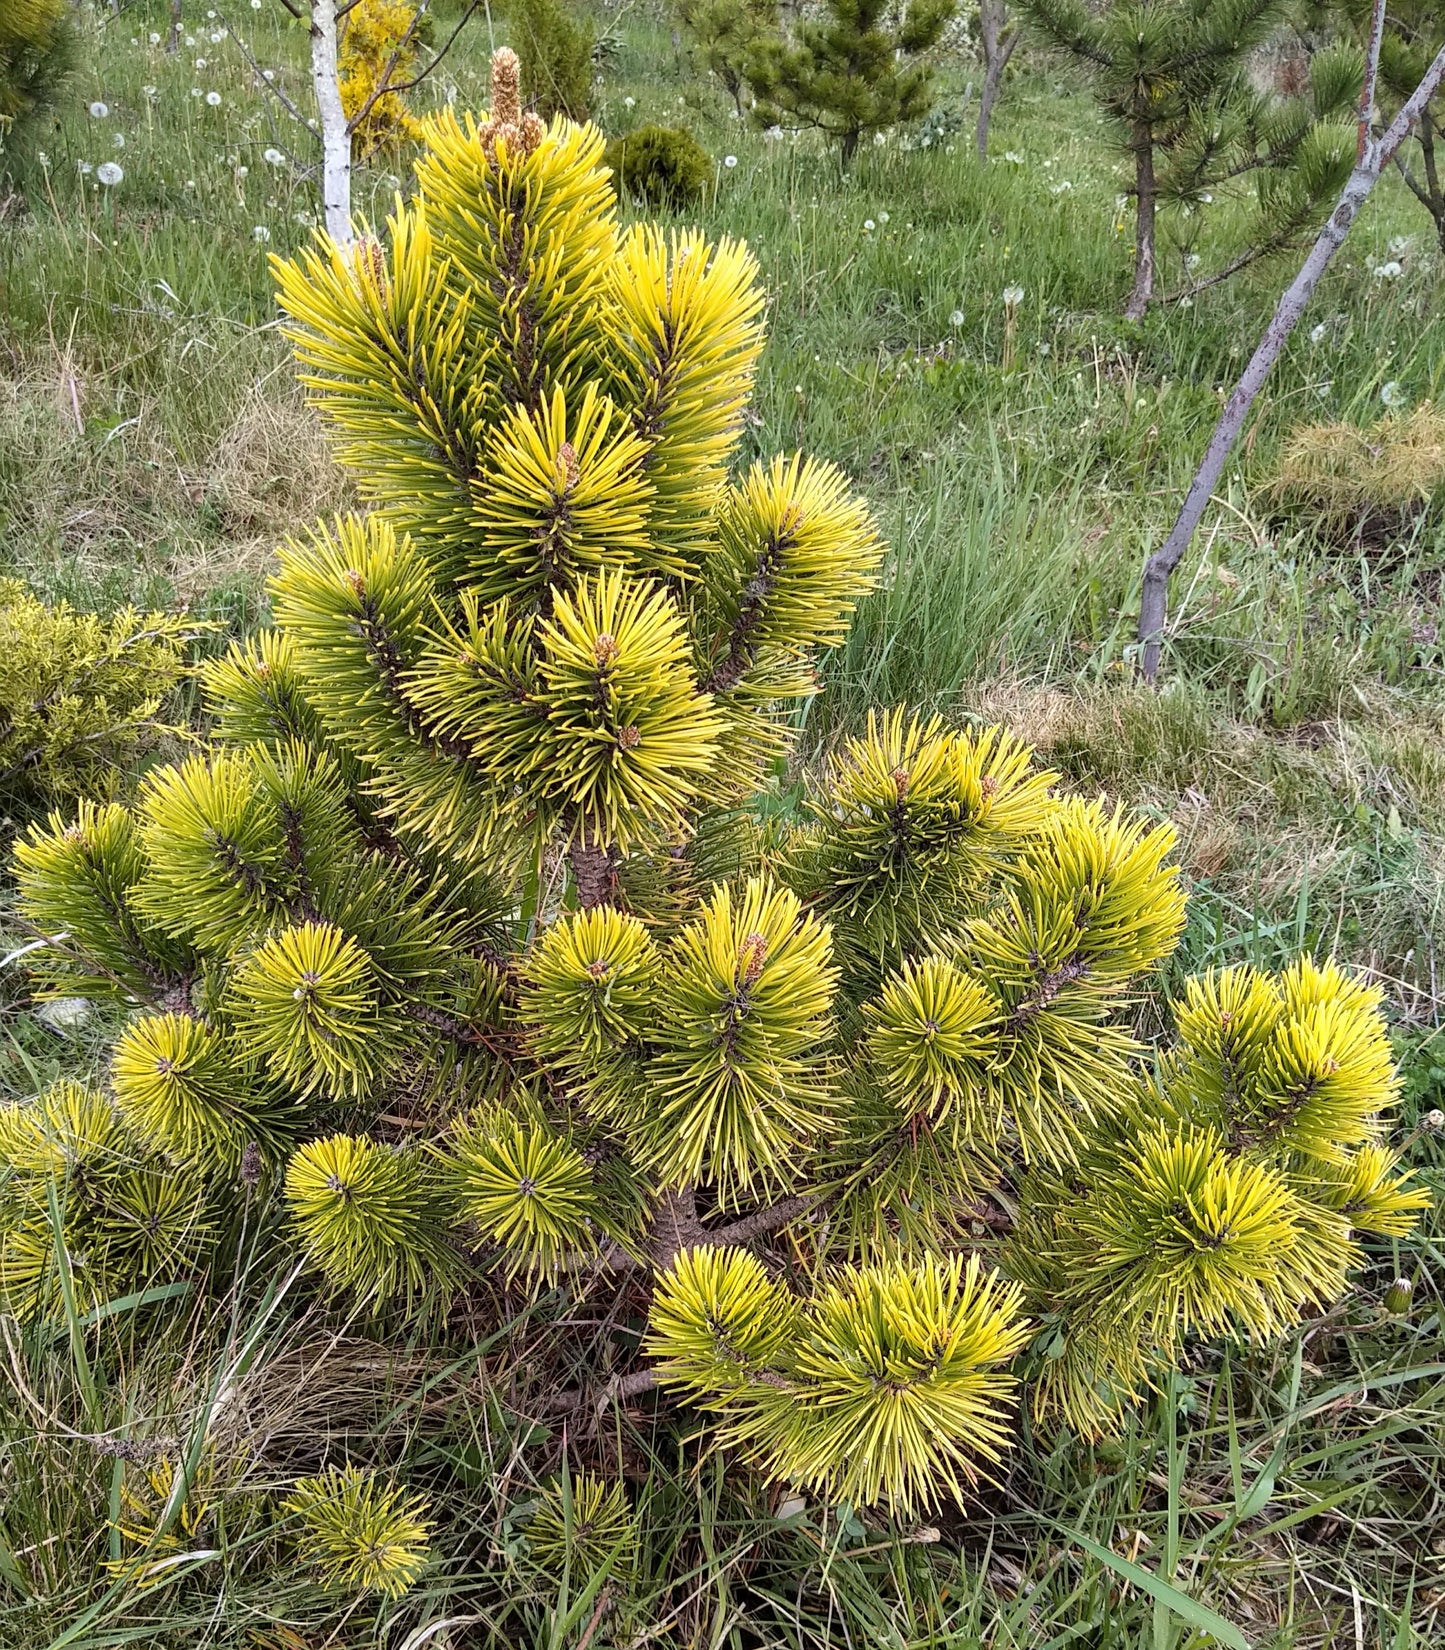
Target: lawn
x: 950, y: 335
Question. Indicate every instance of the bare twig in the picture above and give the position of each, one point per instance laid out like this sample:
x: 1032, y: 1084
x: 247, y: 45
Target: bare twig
x: 761, y: 1221
x: 450, y: 41
x: 269, y: 85
x: 1154, y: 595
x: 1372, y: 72
x: 383, y: 83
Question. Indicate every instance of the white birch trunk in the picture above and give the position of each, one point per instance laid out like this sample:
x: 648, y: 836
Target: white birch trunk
x: 335, y: 139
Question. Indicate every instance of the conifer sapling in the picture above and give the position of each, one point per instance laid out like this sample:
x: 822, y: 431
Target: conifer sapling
x: 465, y: 942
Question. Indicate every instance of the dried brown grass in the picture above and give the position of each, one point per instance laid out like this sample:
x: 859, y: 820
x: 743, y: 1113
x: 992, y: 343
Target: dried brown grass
x: 1362, y: 481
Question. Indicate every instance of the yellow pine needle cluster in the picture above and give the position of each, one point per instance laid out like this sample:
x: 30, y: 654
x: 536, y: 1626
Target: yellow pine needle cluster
x: 886, y: 1381
x: 361, y: 1534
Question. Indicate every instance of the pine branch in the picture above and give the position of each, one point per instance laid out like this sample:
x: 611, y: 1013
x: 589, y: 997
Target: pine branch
x: 763, y: 1221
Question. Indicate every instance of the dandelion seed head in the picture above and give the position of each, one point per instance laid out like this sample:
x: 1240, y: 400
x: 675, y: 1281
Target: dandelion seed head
x: 214, y: 99
x: 98, y: 110
x: 260, y: 234
x: 956, y: 319
x: 272, y: 157
x: 1393, y: 393
x: 730, y: 161
x: 109, y: 174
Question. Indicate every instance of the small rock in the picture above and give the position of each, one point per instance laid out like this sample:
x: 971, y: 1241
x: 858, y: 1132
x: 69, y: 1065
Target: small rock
x: 64, y: 1015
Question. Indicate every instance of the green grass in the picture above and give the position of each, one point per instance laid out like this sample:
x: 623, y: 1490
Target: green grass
x: 1022, y: 460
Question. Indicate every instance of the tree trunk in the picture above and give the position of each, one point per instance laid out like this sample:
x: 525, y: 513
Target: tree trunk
x: 594, y: 871
x: 335, y: 139
x: 850, y: 147
x: 992, y: 19
x: 1154, y: 594
x: 173, y: 40
x: 1436, y: 203
x: 1143, y: 293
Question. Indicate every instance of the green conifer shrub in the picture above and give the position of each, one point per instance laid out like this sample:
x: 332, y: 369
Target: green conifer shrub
x: 556, y: 53
x: 466, y: 945
x: 1172, y: 78
x: 79, y: 695
x: 848, y: 68
x: 726, y: 34
x: 663, y: 166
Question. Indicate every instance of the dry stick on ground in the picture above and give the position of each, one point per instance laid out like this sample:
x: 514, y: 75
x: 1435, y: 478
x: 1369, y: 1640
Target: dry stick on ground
x: 1375, y: 156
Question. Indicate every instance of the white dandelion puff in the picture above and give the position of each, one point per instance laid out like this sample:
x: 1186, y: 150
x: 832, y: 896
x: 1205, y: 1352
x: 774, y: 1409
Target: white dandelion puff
x: 260, y: 234
x: 214, y: 99
x: 98, y: 110
x: 956, y: 319
x: 1393, y: 393
x: 272, y: 157
x: 730, y: 161
x: 109, y: 174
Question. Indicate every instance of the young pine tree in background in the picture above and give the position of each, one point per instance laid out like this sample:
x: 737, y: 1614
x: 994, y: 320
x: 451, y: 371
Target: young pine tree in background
x: 857, y: 67
x: 1414, y: 32
x: 1171, y: 76
x: 725, y: 35
x: 464, y: 943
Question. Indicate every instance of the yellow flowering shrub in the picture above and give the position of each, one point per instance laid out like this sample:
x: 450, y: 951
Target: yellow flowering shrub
x: 380, y: 45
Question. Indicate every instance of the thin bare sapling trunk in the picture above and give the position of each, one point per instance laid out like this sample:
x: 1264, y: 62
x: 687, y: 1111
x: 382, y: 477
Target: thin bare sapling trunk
x: 173, y: 39
x: 331, y: 118
x: 1375, y: 155
x: 1146, y: 191
x: 998, y: 37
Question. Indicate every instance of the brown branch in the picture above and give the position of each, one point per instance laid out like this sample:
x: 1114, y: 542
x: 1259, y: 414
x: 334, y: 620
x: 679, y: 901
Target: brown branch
x: 594, y: 870
x: 618, y: 1390
x: 383, y: 84
x: 762, y: 1221
x: 1372, y: 71
x: 407, y: 85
